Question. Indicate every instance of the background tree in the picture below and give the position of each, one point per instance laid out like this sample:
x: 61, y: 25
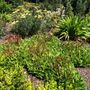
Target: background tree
x: 81, y: 7
x: 68, y: 8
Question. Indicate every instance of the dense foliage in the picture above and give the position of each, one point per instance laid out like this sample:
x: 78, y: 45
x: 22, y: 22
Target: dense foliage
x: 33, y: 20
x: 77, y: 7
x: 38, y: 44
x: 12, y: 74
x: 72, y: 28
x: 44, y: 59
x: 26, y: 26
x: 77, y: 52
x: 4, y: 7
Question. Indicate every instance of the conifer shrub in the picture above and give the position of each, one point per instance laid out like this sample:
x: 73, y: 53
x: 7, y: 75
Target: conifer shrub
x: 26, y: 26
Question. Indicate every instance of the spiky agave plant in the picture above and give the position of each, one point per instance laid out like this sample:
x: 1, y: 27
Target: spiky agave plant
x: 72, y: 28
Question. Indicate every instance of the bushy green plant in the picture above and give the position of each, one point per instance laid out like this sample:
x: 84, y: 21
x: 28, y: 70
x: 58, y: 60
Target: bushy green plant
x: 5, y: 17
x: 77, y: 52
x: 50, y: 6
x: 51, y: 85
x: 12, y: 75
x: 43, y: 58
x: 49, y: 59
x: 37, y: 20
x: 16, y: 3
x: 26, y: 26
x: 72, y: 28
x: 4, y: 7
x: 88, y: 28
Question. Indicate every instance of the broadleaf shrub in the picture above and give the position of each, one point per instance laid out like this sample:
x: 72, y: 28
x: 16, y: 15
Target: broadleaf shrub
x: 47, y: 58
x: 12, y: 75
x: 42, y: 57
x: 78, y: 53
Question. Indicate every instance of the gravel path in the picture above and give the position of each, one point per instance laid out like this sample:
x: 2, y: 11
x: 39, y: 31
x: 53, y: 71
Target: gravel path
x: 85, y: 73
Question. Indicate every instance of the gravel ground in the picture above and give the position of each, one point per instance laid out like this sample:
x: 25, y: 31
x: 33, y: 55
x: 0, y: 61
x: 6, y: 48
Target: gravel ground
x: 85, y: 73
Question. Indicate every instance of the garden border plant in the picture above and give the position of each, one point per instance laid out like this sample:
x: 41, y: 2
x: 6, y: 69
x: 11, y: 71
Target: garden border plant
x: 43, y: 58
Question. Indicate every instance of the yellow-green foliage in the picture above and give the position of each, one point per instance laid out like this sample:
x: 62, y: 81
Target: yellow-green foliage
x: 12, y: 74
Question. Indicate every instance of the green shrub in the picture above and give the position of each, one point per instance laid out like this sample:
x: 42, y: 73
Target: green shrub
x: 51, y: 85
x: 16, y: 3
x: 4, y: 7
x: 49, y: 59
x: 37, y: 21
x: 78, y: 53
x: 43, y: 58
x: 26, y: 26
x: 72, y: 28
x: 5, y: 17
x: 50, y: 5
x: 12, y: 75
x: 1, y: 32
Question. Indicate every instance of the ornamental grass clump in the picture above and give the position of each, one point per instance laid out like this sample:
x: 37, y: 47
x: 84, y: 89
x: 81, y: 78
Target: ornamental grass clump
x: 72, y: 28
